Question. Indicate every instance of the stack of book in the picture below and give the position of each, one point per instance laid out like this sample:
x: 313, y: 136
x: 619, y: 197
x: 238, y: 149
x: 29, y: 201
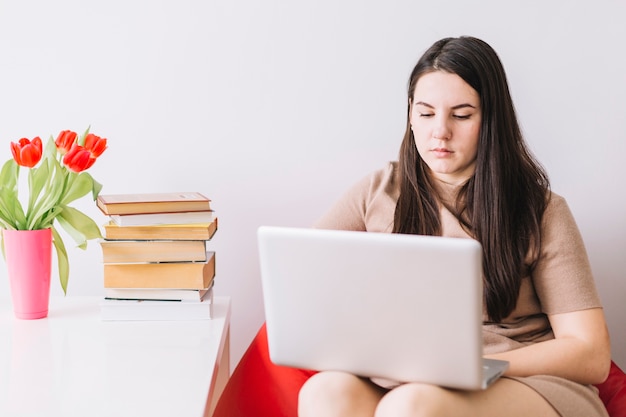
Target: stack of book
x: 155, y: 257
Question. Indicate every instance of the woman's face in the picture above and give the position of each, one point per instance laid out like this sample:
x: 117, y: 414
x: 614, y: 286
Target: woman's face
x: 445, y: 118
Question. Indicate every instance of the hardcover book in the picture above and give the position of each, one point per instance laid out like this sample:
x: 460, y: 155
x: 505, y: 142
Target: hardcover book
x: 164, y: 294
x: 181, y: 275
x: 151, y: 219
x: 152, y: 203
x: 143, y: 251
x: 143, y: 310
x: 190, y: 231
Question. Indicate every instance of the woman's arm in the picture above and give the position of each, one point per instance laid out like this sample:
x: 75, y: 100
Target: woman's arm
x: 580, y: 351
x: 565, y: 288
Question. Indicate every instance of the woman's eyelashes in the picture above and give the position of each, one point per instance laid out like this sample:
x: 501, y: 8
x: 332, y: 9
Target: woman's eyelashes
x: 456, y: 116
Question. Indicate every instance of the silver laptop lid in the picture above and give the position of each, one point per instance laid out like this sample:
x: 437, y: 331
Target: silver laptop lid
x: 401, y: 307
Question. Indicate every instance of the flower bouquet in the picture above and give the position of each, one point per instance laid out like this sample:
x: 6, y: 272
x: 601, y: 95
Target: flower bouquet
x: 56, y: 178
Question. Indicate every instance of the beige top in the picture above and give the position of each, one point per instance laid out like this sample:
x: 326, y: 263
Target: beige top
x: 561, y: 282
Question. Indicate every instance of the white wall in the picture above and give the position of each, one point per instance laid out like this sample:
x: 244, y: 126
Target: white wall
x: 274, y: 108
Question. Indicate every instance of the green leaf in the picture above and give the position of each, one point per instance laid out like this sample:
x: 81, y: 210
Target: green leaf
x: 2, y: 244
x: 50, y: 151
x: 11, y: 210
x: 95, y: 189
x: 9, y: 175
x: 37, y: 178
x: 78, y: 225
x: 62, y: 261
x: 80, y: 186
x: 47, y: 219
x: 7, y: 208
x: 81, y: 138
x: 43, y: 205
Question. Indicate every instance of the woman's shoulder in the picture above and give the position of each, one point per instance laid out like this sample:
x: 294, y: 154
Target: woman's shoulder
x: 558, y: 219
x: 386, y: 176
x: 367, y: 205
x: 556, y: 205
x: 383, y: 181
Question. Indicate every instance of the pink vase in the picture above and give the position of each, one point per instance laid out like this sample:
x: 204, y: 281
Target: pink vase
x: 28, y: 255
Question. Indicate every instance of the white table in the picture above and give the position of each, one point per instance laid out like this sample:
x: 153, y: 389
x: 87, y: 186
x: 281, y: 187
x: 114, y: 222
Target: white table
x: 74, y: 364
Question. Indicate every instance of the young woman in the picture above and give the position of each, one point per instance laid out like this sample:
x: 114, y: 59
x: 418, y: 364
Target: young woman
x: 464, y: 171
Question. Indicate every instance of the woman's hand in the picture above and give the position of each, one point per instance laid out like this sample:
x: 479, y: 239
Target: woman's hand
x: 580, y: 351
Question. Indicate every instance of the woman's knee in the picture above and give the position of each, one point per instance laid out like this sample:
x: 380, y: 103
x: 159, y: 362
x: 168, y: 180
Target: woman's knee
x: 336, y: 394
x: 415, y: 400
x: 331, y: 385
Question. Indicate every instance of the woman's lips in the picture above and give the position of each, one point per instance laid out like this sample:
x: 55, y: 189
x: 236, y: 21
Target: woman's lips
x: 441, y: 152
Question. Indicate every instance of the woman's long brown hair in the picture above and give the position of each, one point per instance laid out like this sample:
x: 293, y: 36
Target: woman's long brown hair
x: 502, y: 204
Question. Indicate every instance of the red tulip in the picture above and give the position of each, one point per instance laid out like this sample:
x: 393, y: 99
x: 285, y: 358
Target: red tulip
x: 81, y: 158
x: 95, y: 144
x: 27, y: 153
x: 65, y: 140
x: 78, y: 159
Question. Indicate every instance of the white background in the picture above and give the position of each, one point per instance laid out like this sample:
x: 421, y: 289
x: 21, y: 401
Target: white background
x: 273, y: 108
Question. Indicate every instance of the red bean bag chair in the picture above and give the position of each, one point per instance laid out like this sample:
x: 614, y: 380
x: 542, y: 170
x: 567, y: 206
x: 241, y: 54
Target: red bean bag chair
x: 613, y: 392
x: 258, y: 388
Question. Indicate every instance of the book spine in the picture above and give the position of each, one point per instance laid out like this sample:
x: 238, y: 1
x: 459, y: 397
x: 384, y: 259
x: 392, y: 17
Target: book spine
x: 192, y: 231
x: 182, y: 275
x: 146, y: 251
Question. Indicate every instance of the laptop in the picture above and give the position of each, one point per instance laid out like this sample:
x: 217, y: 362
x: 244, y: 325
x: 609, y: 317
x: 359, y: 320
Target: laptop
x: 405, y: 308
